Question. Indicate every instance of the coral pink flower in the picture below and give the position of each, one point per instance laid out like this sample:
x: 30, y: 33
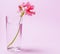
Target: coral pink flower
x: 27, y: 8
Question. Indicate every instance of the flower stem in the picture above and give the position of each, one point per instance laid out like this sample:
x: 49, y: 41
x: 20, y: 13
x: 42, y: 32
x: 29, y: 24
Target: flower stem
x: 13, y: 39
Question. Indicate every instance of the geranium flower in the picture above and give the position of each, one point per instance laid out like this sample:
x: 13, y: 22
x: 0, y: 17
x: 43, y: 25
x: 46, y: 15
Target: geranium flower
x: 27, y: 9
x: 24, y: 8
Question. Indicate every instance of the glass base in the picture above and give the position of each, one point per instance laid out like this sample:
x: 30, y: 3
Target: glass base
x: 14, y: 49
x: 18, y: 50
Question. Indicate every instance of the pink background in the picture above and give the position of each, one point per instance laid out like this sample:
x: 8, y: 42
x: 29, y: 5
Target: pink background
x: 40, y: 31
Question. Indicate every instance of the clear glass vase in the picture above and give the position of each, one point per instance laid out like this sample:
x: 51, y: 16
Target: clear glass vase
x: 13, y: 35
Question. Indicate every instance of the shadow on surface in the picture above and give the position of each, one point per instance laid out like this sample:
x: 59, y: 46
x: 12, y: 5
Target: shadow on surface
x: 24, y: 51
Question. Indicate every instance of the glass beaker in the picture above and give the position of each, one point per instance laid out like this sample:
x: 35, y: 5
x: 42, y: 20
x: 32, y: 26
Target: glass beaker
x: 13, y: 34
